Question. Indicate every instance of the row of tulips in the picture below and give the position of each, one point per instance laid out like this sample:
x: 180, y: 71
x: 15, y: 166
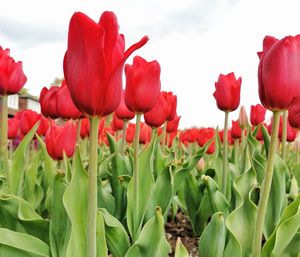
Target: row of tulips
x: 88, y: 188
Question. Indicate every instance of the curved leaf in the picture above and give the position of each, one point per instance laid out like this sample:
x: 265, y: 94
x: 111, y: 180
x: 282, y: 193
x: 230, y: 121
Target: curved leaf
x: 180, y: 250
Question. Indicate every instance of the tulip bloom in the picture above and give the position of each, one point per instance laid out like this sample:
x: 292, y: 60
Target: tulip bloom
x: 28, y: 119
x: 204, y: 135
x: 94, y: 62
x: 142, y: 85
x: 159, y: 113
x: 64, y: 104
x: 257, y: 114
x: 172, y: 125
x: 12, y: 77
x: 61, y: 139
x: 13, y: 128
x: 227, y: 93
x: 145, y: 134
x: 116, y: 123
x: 122, y: 112
x: 278, y: 73
x: 130, y: 133
x: 48, y: 102
x: 43, y: 126
x: 172, y: 104
x: 236, y: 131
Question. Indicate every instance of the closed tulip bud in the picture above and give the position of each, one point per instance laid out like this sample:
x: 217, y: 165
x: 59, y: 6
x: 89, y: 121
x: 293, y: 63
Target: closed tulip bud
x: 65, y: 106
x: 204, y: 135
x: 257, y: 114
x: 48, y: 102
x: 43, y: 126
x: 28, y: 119
x: 145, y: 134
x: 278, y: 74
x: 13, y: 128
x: 142, y: 85
x: 236, y: 131
x: 227, y: 93
x: 159, y: 113
x: 122, y: 112
x: 243, y: 118
x: 130, y: 133
x: 294, y: 113
x: 172, y: 125
x: 94, y: 61
x: 61, y: 139
x: 85, y: 128
x: 12, y: 77
x: 116, y: 123
x: 172, y: 104
x: 201, y: 164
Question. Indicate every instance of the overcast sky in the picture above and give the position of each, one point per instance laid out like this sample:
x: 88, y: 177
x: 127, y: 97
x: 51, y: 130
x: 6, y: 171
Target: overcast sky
x: 193, y: 40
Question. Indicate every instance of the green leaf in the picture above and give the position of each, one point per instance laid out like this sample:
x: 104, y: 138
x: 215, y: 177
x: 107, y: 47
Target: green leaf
x: 212, y: 240
x: 15, y: 244
x: 180, y: 250
x: 135, y: 214
x: 151, y: 241
x: 116, y: 236
x: 280, y: 243
x: 59, y: 221
x: 16, y: 174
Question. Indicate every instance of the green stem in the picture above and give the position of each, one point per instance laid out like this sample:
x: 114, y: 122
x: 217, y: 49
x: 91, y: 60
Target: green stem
x: 78, y: 129
x: 164, y: 137
x: 92, y: 189
x: 284, y: 134
x: 266, y: 187
x: 225, y: 150
x: 243, y: 137
x: 3, y: 133
x: 136, y: 164
x: 123, y: 140
x: 236, y: 150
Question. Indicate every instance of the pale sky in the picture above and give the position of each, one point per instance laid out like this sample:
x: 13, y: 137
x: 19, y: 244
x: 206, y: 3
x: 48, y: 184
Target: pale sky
x: 193, y: 40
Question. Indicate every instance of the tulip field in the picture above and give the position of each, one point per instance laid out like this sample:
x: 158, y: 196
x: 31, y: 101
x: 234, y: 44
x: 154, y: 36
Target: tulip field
x: 105, y: 171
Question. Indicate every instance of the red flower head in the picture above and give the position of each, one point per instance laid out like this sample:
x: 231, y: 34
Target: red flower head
x: 65, y: 106
x: 28, y: 119
x: 257, y: 114
x: 172, y: 104
x: 130, y: 133
x: 159, y: 113
x: 122, y: 112
x: 85, y: 128
x: 294, y: 113
x: 145, y: 133
x: 13, y: 128
x: 204, y: 135
x: 43, y: 126
x: 12, y: 77
x: 236, y: 131
x: 48, y: 102
x: 172, y: 125
x: 142, y: 85
x: 59, y: 139
x: 278, y: 73
x: 94, y: 62
x: 227, y: 93
x: 116, y: 123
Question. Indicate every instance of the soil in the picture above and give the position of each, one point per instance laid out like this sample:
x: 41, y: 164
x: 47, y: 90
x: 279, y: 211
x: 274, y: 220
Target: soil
x: 181, y: 227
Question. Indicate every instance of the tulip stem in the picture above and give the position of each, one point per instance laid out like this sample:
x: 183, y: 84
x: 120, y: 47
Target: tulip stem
x: 3, y: 134
x: 236, y: 151
x: 164, y: 137
x: 92, y: 189
x: 225, y: 150
x: 266, y: 187
x: 78, y: 129
x: 123, y: 140
x: 284, y: 134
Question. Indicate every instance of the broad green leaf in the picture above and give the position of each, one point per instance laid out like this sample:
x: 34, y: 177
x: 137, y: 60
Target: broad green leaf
x: 212, y: 240
x: 59, y: 221
x: 116, y: 236
x: 15, y: 244
x: 180, y: 250
x: 151, y: 241
x: 20, y: 161
x: 283, y: 238
x: 100, y: 237
x: 18, y: 215
x: 136, y: 213
x: 241, y: 221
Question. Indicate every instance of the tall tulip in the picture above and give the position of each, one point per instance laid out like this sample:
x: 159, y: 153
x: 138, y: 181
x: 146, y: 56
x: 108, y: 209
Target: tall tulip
x: 278, y: 82
x: 227, y: 95
x: 12, y: 79
x: 48, y: 102
x: 93, y: 67
x: 257, y: 114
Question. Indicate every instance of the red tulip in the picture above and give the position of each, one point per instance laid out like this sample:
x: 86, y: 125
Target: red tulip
x: 43, y: 126
x: 28, y: 119
x: 12, y: 77
x: 85, y: 128
x: 268, y: 42
x: 257, y: 114
x: 294, y: 113
x: 94, y: 62
x: 278, y: 74
x: 13, y: 128
x: 116, y: 123
x: 61, y: 139
x: 172, y: 104
x: 65, y: 106
x: 48, y: 102
x: 227, y: 93
x: 172, y: 125
x: 122, y: 112
x: 236, y: 131
x: 130, y: 133
x: 142, y: 85
x: 145, y: 133
x: 159, y: 113
x: 204, y: 135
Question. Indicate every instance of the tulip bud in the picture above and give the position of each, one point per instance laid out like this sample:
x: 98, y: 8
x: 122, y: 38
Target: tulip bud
x: 243, y: 118
x: 201, y: 164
